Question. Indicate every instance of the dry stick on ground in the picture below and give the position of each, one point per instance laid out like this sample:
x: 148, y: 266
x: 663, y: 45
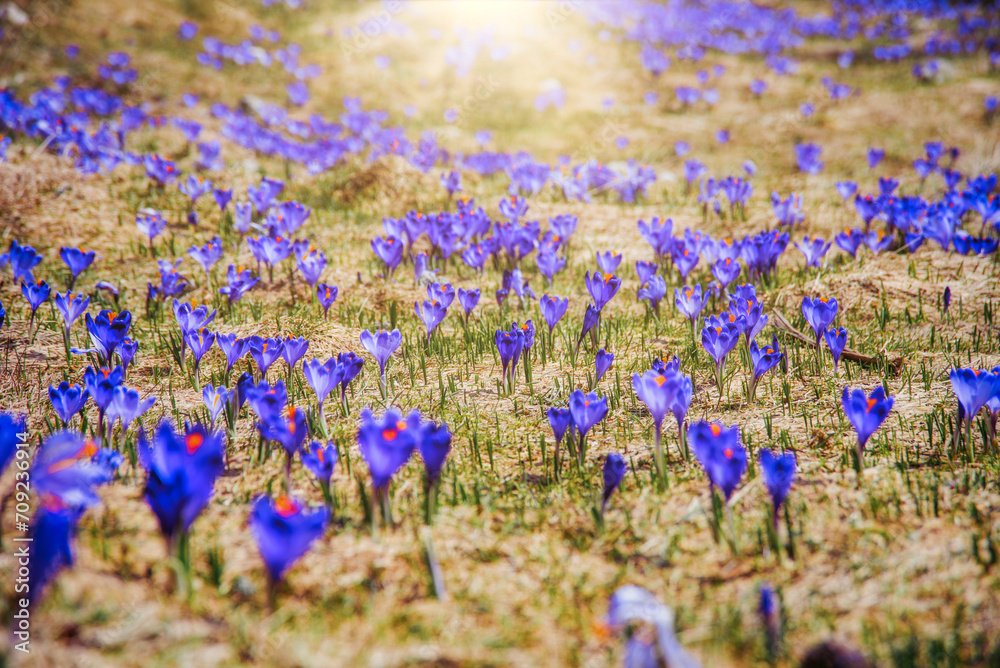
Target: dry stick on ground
x: 779, y: 321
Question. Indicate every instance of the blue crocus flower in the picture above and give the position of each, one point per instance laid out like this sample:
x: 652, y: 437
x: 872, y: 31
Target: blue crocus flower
x: 658, y: 233
x: 70, y: 467
x: 22, y: 260
x: 726, y: 271
x: 326, y: 294
x: 36, y: 294
x: 973, y: 388
x: 433, y: 314
x: 102, y: 383
x: 389, y: 250
x: 320, y: 460
x: 553, y: 309
x: 509, y: 345
x: 293, y: 350
x: 71, y: 307
x: 265, y: 352
x: 657, y: 390
x: 653, y: 291
x: 387, y: 444
x: 689, y: 302
x: 150, y: 223
x: 612, y: 473
x: 232, y: 347
x: 67, y: 400
x: 645, y: 270
x: 549, y: 264
x: 351, y: 364
x: 560, y: 420
x: 208, y: 254
x: 836, y: 341
x: 878, y: 241
x: 590, y: 319
x: 287, y: 426
x: 813, y: 249
x: 222, y: 197
x: 11, y: 426
x: 685, y: 259
x: 819, y: 313
x: 763, y: 359
x: 77, y: 260
x: 850, y: 240
x: 608, y: 261
x: 602, y: 363
x: 381, y: 345
x: 866, y: 413
x: 323, y: 377
x: 107, y: 331
x: 720, y: 453
x: 127, y: 405
x: 468, y: 299
x: 602, y: 287
x: 434, y: 445
x: 779, y: 474
x: 284, y: 530
x: 846, y: 189
x: 719, y: 338
x: 181, y: 472
x: 215, y: 400
x: 587, y: 411
x: 51, y: 548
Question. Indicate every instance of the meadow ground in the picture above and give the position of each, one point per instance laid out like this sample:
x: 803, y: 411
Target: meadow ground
x: 899, y: 561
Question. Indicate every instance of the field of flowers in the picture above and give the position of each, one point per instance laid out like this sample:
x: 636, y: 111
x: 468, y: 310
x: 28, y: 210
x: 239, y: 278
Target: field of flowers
x: 486, y: 333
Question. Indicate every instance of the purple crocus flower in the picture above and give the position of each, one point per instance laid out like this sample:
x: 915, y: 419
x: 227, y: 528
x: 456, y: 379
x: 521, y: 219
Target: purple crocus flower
x: 181, y: 473
x: 720, y: 453
x: 127, y: 405
x: 265, y: 351
x: 222, y: 197
x: 612, y: 473
x: 850, y: 240
x: 757, y: 87
x: 608, y: 261
x: 689, y: 302
x: 779, y: 474
x: 878, y: 241
x: 807, y: 156
x: 381, y: 345
x: 71, y: 307
x: 602, y: 363
x: 292, y: 351
x: 51, y: 548
x: 233, y: 348
x: 658, y: 392
x: 685, y: 259
x: 351, y: 365
x: 320, y: 460
x: 433, y: 314
x: 726, y: 271
x: 323, y: 377
x: 77, y: 260
x: 107, y: 331
x: 194, y: 187
x: 36, y: 294
x: 389, y: 250
x: 239, y: 281
x: 387, y: 444
x: 200, y: 342
x: 284, y: 530
x: 602, y: 287
x: 836, y: 341
x: 434, y: 445
x: 590, y: 319
x: 719, y: 337
x: 326, y: 294
x: 67, y: 400
x: 208, y: 254
x: 468, y: 299
x: 553, y: 309
x: 509, y: 344
x: 160, y: 169
x: 654, y: 290
x: 763, y: 360
x: 286, y: 425
x: 560, y: 420
x: 263, y: 195
x: 215, y: 400
x: 549, y: 264
x: 973, y: 388
x: 644, y: 270
x: 587, y: 411
x: 22, y: 259
x: 819, y: 313
x: 875, y: 156
x: 69, y: 467
x: 813, y: 249
x: 846, y: 189
x: 866, y: 413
